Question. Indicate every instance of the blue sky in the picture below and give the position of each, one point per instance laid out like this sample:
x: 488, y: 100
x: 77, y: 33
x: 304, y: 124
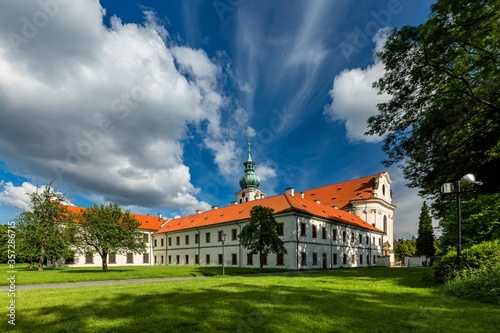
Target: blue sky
x: 150, y: 104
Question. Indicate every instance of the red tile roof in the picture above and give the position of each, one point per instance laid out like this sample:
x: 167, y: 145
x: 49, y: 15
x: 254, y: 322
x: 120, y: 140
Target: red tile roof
x: 148, y: 222
x: 280, y: 203
x: 341, y: 194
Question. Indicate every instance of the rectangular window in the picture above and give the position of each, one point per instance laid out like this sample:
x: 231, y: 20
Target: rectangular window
x: 367, y: 240
x: 352, y: 237
x: 303, y: 259
x: 353, y: 259
x: 263, y: 259
x: 177, y: 259
x: 374, y: 259
x: 373, y: 243
x: 234, y: 259
x: 380, y: 241
x: 323, y: 232
x: 360, y: 239
x: 315, y: 258
x: 196, y: 259
x: 169, y: 242
x: 249, y: 259
x: 186, y: 260
x: 197, y: 238
x: 361, y: 259
x: 234, y: 234
x: 220, y: 259
x: 178, y: 240
x: 145, y: 238
x: 335, y: 258
x: 187, y: 239
x: 334, y: 234
x: 145, y: 258
x: 280, y: 230
x: 344, y: 236
x: 89, y: 258
x: 155, y: 260
x: 315, y: 231
x: 207, y: 259
x: 344, y: 259
x: 302, y: 229
x: 130, y: 258
x: 112, y: 258
x: 219, y: 236
x: 156, y: 243
x: 207, y: 237
x: 169, y: 259
x: 280, y: 260
x: 163, y: 261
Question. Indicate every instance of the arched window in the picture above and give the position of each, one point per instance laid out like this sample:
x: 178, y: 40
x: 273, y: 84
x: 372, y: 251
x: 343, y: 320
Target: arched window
x: 385, y: 223
x: 383, y: 190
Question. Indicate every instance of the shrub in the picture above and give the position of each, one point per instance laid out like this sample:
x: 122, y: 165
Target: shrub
x: 477, y: 284
x: 483, y: 255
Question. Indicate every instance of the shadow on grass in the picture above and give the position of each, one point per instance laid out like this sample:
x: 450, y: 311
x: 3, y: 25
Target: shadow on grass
x: 259, y: 305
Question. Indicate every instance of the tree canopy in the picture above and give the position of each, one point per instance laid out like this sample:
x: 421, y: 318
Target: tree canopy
x: 443, y: 118
x: 404, y: 248
x: 260, y: 235
x: 106, y: 229
x: 425, y: 239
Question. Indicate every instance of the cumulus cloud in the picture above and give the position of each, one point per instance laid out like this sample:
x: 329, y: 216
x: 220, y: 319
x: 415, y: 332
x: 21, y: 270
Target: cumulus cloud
x: 353, y: 98
x: 18, y: 196
x: 104, y: 110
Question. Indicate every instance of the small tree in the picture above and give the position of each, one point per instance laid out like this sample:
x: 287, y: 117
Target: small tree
x: 425, y: 239
x: 106, y: 229
x: 43, y: 232
x: 405, y: 248
x: 260, y: 235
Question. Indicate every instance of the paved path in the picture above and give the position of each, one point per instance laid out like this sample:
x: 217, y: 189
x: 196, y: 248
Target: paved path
x: 99, y: 283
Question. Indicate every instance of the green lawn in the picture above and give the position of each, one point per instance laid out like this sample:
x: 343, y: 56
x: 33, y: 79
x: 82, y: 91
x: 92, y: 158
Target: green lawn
x: 78, y: 274
x: 349, y: 300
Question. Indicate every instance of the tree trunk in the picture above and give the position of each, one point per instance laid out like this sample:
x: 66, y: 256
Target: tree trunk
x: 56, y: 263
x: 32, y: 264
x: 40, y: 264
x: 104, y: 258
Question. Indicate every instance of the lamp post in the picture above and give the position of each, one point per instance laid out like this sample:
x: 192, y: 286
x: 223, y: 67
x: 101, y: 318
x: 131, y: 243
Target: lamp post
x: 457, y: 188
x: 223, y: 239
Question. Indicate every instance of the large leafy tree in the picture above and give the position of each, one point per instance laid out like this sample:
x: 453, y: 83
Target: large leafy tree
x: 106, y: 229
x: 44, y: 232
x: 443, y: 118
x: 404, y: 248
x: 260, y: 235
x: 425, y: 239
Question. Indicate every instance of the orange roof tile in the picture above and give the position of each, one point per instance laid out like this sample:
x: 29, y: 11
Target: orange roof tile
x: 341, y: 194
x: 148, y: 222
x: 280, y: 203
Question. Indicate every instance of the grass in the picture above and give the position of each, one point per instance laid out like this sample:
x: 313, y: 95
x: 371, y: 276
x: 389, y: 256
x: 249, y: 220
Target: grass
x: 25, y: 276
x: 349, y: 300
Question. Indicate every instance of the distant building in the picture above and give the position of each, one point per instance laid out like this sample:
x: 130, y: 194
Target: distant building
x: 349, y: 224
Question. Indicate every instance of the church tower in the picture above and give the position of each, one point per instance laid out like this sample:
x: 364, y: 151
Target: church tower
x: 249, y: 182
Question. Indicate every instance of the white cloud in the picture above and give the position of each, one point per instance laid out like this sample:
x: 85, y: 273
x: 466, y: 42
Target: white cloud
x: 353, y: 98
x: 104, y: 110
x: 19, y: 196
x: 265, y: 172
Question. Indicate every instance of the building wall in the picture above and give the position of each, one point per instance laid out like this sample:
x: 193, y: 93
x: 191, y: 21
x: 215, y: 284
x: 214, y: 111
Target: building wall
x: 318, y: 249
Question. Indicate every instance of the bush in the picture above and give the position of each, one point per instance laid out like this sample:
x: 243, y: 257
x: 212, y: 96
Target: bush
x: 477, y: 284
x: 479, y: 256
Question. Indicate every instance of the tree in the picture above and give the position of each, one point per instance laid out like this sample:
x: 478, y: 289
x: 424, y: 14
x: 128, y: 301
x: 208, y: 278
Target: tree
x: 404, y: 248
x: 425, y: 239
x: 260, y: 235
x: 105, y: 230
x: 4, y: 237
x: 443, y: 118
x: 44, y: 232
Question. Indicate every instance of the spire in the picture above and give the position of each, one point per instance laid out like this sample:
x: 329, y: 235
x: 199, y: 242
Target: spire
x: 249, y: 158
x: 250, y: 179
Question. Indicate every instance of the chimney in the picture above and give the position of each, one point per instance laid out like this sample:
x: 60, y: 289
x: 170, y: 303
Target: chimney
x: 160, y: 215
x: 198, y: 211
x: 290, y: 190
x: 215, y: 207
x: 302, y: 195
x: 150, y: 215
x: 336, y: 207
x: 233, y: 203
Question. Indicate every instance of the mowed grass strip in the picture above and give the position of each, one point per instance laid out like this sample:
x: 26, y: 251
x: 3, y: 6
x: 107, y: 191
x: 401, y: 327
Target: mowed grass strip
x: 354, y: 300
x: 25, y: 276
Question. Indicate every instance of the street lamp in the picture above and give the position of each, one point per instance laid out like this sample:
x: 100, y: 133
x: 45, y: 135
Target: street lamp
x: 223, y: 239
x: 457, y: 188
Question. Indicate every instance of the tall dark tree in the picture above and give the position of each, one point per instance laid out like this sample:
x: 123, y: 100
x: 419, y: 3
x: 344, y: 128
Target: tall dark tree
x: 260, y: 235
x: 443, y: 118
x: 425, y: 239
x: 105, y: 230
x: 44, y: 232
